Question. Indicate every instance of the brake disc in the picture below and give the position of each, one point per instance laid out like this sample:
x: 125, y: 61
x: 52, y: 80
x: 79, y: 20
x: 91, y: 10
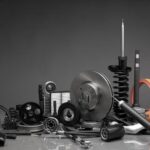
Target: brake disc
x: 91, y: 93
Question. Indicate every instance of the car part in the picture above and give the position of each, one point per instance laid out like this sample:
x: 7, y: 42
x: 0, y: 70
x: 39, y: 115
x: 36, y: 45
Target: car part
x: 90, y: 124
x: 31, y: 113
x: 4, y: 109
x: 16, y: 132
x: 142, y: 82
x: 84, y: 96
x: 41, y: 98
x: 123, y: 105
x: 84, y: 133
x: 50, y: 86
x: 2, y: 139
x: 147, y: 115
x: 14, y: 118
x: 55, y: 109
x: 58, y: 97
x: 136, y: 79
x: 112, y: 132
x: 55, y: 98
x: 91, y: 93
x: 9, y: 124
x: 51, y: 124
x: 4, y: 117
x: 8, y: 118
x: 31, y: 128
x: 136, y: 104
x: 68, y: 114
x: 142, y: 111
x: 44, y: 100
x: 77, y: 139
x: 45, y: 91
x: 121, y: 86
x: 133, y: 129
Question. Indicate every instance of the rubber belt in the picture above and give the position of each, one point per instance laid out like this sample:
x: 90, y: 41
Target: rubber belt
x: 141, y: 82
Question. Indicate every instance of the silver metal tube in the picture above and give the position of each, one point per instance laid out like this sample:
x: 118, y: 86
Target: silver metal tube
x: 122, y: 39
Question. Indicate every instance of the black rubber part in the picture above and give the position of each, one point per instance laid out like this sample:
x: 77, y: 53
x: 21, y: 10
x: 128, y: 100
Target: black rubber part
x: 113, y: 132
x: 29, y: 116
x: 75, y: 111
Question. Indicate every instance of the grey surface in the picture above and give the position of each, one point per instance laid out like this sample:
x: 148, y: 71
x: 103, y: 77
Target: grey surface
x: 55, y: 40
x: 129, y: 142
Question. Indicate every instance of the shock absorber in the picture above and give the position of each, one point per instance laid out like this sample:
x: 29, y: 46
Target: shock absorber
x: 121, y: 73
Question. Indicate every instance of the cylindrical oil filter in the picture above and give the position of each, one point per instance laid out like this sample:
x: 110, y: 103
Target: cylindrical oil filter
x: 112, y: 132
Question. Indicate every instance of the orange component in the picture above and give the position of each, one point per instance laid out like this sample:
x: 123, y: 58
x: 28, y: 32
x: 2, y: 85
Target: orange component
x: 141, y: 82
x: 147, y: 115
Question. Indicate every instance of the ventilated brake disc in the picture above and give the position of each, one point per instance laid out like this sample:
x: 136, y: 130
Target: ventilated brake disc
x: 91, y: 93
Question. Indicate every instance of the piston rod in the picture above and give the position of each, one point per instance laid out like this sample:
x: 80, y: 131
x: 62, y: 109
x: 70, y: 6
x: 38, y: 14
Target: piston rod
x: 123, y: 105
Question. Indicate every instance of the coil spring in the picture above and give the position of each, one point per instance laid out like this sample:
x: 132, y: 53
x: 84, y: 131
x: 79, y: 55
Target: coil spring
x: 121, y: 89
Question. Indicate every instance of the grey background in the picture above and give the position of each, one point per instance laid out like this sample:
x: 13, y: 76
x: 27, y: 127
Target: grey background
x: 56, y: 40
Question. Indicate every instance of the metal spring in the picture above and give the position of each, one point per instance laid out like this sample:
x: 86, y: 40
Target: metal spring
x: 121, y: 89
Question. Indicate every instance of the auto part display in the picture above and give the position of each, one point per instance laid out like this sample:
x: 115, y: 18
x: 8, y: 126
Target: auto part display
x: 68, y: 114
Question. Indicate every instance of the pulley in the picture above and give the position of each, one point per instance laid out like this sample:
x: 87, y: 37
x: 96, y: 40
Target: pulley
x: 68, y: 114
x: 31, y: 113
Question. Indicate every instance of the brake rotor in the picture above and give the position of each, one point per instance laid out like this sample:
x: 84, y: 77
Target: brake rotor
x: 91, y: 92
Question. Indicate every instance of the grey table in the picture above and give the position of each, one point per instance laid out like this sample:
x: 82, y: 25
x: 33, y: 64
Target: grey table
x: 128, y: 142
